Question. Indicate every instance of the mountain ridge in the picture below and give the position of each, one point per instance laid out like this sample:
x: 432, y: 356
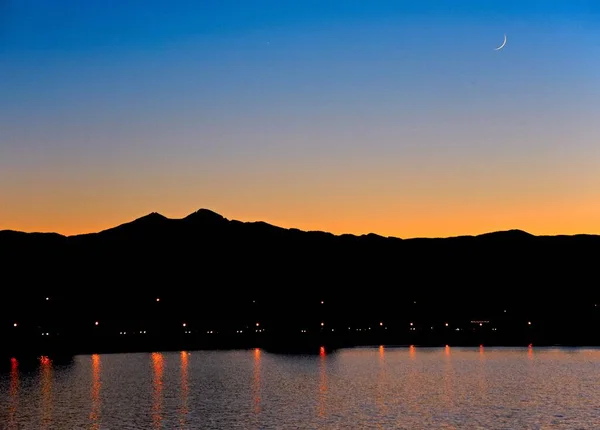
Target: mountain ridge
x: 209, y: 271
x: 209, y: 216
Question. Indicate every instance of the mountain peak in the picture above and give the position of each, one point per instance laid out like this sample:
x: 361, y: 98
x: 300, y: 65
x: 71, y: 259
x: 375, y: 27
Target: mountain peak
x: 152, y: 215
x: 514, y: 233
x: 152, y: 219
x: 205, y: 215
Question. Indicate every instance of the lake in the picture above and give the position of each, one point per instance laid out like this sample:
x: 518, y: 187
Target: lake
x: 379, y: 387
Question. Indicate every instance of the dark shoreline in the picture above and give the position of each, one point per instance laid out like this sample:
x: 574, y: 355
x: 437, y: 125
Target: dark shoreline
x: 206, y: 282
x: 29, y: 350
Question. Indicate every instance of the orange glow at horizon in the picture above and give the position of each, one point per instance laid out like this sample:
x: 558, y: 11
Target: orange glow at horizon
x: 461, y: 209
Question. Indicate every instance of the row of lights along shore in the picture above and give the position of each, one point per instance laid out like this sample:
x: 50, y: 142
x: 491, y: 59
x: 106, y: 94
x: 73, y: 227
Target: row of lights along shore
x: 261, y: 330
x: 322, y: 302
x: 411, y: 325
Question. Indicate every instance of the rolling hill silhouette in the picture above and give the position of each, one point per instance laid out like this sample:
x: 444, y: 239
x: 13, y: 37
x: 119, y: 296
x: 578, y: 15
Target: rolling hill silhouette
x: 215, y: 271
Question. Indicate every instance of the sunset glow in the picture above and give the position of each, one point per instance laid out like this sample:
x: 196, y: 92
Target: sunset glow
x: 380, y: 123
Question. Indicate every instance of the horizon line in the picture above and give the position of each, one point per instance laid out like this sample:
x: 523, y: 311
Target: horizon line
x: 510, y: 230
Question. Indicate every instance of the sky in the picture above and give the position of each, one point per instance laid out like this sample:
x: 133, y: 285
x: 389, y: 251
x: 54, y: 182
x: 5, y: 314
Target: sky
x: 386, y: 116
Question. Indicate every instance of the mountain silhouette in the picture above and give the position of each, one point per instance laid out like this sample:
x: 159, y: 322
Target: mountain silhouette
x: 205, y: 267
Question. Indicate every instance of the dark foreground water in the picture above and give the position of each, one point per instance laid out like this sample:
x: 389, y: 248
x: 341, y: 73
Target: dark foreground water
x: 411, y: 388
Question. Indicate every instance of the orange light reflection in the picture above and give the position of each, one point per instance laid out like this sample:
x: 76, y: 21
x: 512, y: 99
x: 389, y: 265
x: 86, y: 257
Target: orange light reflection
x: 13, y: 392
x: 96, y: 384
x: 157, y: 385
x: 184, y: 389
x: 322, y: 382
x: 256, y: 385
x: 382, y: 378
x: 46, y: 390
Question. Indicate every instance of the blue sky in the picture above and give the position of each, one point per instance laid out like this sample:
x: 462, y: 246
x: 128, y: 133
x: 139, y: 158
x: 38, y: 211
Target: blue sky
x: 296, y: 112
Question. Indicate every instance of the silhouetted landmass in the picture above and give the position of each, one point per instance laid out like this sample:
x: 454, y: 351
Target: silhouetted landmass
x: 224, y: 276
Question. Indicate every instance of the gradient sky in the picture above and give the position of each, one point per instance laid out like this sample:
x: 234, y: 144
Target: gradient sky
x: 394, y: 117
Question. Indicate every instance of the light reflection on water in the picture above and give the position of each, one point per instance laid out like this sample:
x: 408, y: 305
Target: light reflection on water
x: 96, y: 384
x: 46, y: 406
x: 381, y: 387
x: 157, y: 389
x: 184, y: 410
x: 13, y: 392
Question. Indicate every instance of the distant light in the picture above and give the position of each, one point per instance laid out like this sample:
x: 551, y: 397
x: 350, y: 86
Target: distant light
x: 480, y: 324
x: 15, y: 324
x: 47, y: 298
x: 322, y: 324
x: 257, y: 324
x: 184, y: 325
x: 96, y: 323
x: 528, y: 322
x: 446, y: 324
x: 411, y: 323
x: 322, y: 302
x: 380, y: 323
x: 158, y: 299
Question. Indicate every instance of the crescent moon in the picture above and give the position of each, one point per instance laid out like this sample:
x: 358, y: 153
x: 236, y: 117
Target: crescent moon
x: 501, y: 46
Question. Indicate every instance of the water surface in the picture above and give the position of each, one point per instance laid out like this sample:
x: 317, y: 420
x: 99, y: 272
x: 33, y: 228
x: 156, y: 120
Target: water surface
x: 408, y: 388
